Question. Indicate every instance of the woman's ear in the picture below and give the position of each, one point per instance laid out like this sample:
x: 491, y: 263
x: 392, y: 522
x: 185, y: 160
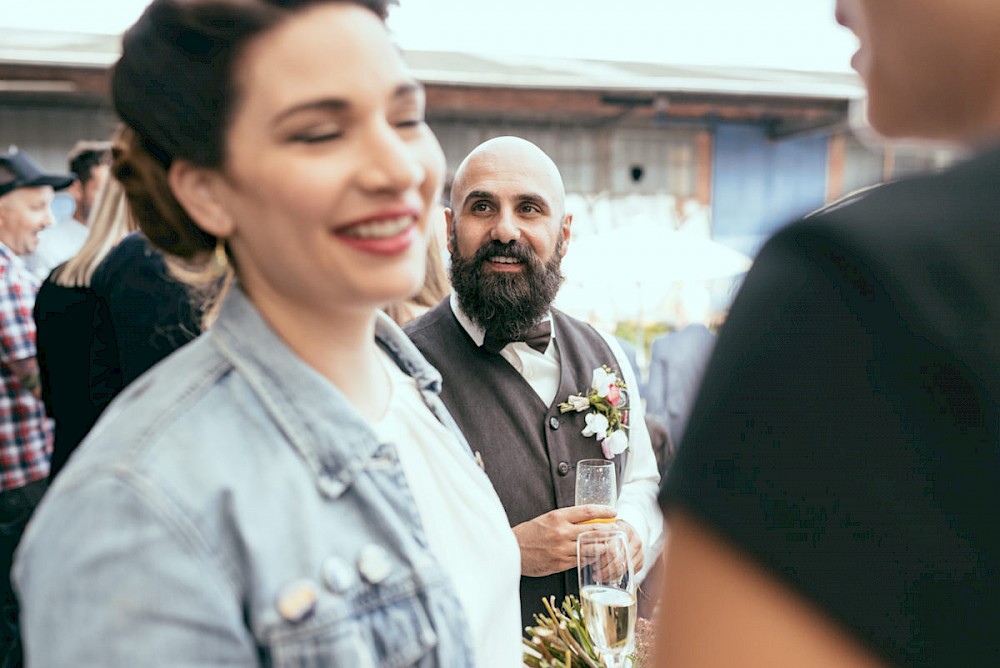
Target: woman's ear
x: 196, y: 188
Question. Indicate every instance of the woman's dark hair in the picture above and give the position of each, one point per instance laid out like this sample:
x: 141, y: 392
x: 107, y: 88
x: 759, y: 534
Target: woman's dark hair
x: 175, y: 89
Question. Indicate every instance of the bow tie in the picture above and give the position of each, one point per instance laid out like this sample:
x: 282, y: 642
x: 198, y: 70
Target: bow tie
x: 537, y: 337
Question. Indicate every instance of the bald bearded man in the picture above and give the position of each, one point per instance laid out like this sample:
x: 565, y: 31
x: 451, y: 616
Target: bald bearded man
x: 509, y: 359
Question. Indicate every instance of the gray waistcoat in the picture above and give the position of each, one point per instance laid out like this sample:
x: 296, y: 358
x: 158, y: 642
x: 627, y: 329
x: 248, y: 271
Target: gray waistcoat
x: 529, y: 450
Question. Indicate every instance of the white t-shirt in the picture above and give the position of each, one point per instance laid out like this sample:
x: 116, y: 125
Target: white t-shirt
x: 466, y: 526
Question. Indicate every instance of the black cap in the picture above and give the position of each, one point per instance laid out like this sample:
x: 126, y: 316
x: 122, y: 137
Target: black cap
x: 18, y: 170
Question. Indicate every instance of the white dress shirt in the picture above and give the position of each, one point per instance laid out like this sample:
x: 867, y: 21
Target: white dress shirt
x: 637, y: 503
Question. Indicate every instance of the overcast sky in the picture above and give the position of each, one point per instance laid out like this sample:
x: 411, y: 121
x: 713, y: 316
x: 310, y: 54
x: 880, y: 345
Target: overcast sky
x: 796, y: 34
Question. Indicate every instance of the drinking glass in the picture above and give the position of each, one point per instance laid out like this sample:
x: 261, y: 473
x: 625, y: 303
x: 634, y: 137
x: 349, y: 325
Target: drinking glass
x: 607, y: 592
x: 596, y: 483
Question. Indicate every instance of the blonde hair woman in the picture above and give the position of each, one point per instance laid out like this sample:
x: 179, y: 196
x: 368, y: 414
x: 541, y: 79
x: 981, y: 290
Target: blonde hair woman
x: 65, y: 310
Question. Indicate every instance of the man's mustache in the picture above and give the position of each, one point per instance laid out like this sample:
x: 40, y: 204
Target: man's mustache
x: 513, y: 249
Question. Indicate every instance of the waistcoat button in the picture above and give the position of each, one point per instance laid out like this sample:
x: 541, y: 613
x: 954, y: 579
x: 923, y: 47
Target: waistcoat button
x: 563, y: 467
x: 554, y: 422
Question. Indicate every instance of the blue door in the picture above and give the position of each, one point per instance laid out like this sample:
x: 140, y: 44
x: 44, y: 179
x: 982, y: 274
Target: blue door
x: 760, y: 184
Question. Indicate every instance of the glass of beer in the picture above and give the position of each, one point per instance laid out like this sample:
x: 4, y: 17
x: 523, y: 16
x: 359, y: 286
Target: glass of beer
x: 596, y: 483
x: 607, y: 592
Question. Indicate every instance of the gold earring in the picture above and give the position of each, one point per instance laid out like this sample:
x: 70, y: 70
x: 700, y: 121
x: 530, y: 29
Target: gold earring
x: 219, y: 259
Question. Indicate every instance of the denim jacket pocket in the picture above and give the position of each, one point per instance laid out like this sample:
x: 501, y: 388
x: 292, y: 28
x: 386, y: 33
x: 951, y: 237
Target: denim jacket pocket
x: 392, y: 633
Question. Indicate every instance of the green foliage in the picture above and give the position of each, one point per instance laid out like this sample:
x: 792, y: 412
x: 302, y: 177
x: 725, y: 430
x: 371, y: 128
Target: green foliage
x: 641, y: 334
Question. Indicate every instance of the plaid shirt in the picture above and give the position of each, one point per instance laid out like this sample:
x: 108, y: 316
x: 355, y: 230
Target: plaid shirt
x: 25, y: 432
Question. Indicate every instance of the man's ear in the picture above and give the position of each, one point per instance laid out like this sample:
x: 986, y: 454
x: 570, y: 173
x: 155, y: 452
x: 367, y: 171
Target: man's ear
x: 75, y: 190
x: 567, y: 224
x: 197, y: 190
x: 449, y: 223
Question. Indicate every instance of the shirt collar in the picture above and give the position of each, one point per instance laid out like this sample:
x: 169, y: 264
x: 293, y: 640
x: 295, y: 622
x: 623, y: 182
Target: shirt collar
x: 336, y: 447
x: 16, y: 262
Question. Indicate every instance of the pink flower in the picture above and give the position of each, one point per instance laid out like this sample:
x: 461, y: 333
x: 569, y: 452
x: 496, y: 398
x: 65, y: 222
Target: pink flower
x: 614, y: 395
x: 606, y: 450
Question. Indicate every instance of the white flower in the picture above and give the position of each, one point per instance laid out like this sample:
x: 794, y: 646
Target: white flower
x: 615, y: 444
x: 597, y: 425
x: 602, y: 381
x: 579, y: 403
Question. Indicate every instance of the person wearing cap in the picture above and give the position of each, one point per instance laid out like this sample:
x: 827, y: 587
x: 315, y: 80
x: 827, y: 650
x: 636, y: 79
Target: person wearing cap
x: 26, y: 193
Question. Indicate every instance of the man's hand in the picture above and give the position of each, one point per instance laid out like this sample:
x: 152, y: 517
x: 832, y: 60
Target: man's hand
x: 26, y: 371
x: 548, y: 542
x: 634, y: 545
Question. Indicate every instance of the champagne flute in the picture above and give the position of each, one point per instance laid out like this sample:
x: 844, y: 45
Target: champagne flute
x: 596, y: 483
x: 607, y: 592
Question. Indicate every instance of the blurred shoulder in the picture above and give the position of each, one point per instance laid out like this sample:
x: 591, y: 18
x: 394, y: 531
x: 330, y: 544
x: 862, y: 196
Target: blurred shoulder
x: 132, y: 255
x: 430, y: 321
x: 930, y: 208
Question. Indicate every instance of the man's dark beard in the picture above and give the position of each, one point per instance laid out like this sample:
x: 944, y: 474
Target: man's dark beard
x: 505, y: 304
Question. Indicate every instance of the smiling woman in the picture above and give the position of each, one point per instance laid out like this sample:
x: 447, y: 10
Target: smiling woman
x: 288, y: 489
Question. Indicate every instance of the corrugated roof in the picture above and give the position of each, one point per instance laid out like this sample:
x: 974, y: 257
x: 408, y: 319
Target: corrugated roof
x: 466, y: 69
x: 513, y: 71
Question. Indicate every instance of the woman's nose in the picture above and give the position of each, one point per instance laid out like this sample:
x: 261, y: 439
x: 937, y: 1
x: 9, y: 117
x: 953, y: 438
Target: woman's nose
x: 390, y: 163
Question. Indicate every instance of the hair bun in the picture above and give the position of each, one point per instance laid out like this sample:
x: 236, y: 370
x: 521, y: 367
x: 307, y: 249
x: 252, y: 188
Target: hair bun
x: 159, y: 215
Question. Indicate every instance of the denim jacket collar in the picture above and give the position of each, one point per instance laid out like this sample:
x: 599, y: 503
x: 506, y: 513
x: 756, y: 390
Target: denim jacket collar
x: 291, y: 390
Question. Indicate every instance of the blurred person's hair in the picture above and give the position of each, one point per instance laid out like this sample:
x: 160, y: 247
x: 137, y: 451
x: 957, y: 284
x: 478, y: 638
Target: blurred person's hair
x: 109, y: 221
x: 86, y: 155
x: 435, y: 288
x: 175, y: 87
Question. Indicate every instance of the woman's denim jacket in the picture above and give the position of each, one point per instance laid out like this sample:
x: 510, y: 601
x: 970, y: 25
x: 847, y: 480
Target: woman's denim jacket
x: 231, y: 509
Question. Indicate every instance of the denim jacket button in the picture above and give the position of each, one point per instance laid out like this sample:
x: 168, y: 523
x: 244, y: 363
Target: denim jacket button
x: 297, y: 600
x: 374, y: 563
x: 428, y: 637
x: 337, y: 575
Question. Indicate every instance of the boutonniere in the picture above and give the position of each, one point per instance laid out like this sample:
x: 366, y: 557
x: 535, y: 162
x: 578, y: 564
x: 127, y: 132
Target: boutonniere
x: 607, y: 399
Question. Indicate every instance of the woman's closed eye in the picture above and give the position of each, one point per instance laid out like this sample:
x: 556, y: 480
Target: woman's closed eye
x: 414, y: 122
x: 317, y: 137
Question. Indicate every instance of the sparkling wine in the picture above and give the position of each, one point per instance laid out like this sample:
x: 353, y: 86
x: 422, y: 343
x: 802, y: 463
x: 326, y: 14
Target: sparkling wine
x: 610, y: 616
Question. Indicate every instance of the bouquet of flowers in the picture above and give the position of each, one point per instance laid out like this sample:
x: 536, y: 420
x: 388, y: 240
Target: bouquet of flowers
x: 560, y: 639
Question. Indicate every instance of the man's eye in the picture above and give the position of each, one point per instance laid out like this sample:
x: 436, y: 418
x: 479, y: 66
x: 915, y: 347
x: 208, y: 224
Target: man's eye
x: 480, y: 206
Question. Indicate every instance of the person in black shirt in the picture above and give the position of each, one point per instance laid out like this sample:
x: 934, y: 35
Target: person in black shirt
x: 66, y: 323
x: 833, y: 500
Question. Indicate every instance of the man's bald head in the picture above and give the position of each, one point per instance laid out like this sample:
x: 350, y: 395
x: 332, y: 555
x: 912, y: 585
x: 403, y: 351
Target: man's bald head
x: 507, y: 231
x: 512, y: 156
